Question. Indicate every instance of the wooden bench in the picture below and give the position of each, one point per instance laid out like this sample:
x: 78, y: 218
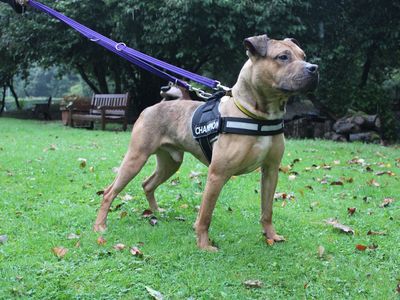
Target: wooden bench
x: 43, y: 108
x: 104, y: 108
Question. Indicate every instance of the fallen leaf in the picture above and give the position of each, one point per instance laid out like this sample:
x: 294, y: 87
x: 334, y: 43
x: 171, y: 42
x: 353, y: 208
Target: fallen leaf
x: 98, y: 193
x: 253, y: 284
x: 309, y: 187
x: 284, y: 169
x: 153, y: 221
x: 371, y: 232
x: 398, y: 288
x: 386, y: 202
x: 155, y: 294
x: 336, y: 162
x: 292, y: 177
x: 91, y: 169
x: 184, y: 206
x: 270, y: 241
x: 369, y: 169
x: 119, y: 247
x: 194, y: 174
x: 390, y: 173
x: 341, y: 227
x: 321, y: 251
x: 182, y: 219
x: 338, y: 182
x: 351, y: 210
x: 78, y: 244
x: 127, y: 197
x: 357, y: 161
x: 373, y: 246
x: 175, y: 182
x: 283, y: 203
x: 60, y: 252
x: 101, y: 240
x: 147, y: 213
x: 361, y: 247
x: 115, y: 170
x: 123, y: 214
x: 82, y: 162
x: 3, y: 239
x: 135, y: 251
x: 373, y: 182
x: 73, y: 236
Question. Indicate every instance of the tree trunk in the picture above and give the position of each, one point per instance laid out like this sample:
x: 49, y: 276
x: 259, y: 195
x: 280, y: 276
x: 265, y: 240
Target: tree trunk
x: 367, y: 65
x: 85, y: 78
x: 101, y: 79
x: 11, y: 86
x: 3, y: 99
x: 117, y: 82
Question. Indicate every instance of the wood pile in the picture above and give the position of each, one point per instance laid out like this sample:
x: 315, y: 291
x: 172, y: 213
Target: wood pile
x: 357, y: 127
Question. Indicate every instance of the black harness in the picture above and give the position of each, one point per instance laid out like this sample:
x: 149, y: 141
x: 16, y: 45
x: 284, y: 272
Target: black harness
x: 207, y: 124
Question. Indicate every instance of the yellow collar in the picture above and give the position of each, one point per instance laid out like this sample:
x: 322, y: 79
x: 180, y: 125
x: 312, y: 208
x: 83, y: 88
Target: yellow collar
x: 246, y: 111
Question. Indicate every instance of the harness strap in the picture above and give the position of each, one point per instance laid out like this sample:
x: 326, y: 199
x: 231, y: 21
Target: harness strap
x: 207, y: 124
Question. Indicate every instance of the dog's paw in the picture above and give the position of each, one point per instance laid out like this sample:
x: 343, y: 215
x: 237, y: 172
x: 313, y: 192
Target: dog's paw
x: 209, y: 248
x: 275, y: 237
x: 99, y: 227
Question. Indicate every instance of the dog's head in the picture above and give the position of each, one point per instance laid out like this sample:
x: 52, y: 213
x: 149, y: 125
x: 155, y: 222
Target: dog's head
x: 281, y: 65
x: 170, y: 93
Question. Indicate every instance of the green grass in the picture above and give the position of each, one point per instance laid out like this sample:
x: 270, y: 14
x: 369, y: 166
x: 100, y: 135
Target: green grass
x: 45, y: 195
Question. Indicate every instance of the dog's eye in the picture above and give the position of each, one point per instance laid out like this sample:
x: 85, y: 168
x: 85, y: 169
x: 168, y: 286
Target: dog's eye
x: 283, y: 57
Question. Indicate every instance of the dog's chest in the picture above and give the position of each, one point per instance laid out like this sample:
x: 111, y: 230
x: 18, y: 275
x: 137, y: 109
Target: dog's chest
x: 258, y: 153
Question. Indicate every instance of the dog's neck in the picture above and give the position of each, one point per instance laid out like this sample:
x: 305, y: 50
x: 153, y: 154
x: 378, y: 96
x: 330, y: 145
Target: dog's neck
x: 255, y: 99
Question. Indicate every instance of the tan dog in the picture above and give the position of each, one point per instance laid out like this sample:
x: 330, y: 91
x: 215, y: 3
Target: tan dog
x: 275, y: 70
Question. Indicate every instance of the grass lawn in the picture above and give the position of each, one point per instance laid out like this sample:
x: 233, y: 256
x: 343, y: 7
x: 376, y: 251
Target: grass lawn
x: 46, y: 195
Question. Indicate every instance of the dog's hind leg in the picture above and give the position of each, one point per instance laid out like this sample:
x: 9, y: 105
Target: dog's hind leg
x: 130, y: 167
x: 168, y: 162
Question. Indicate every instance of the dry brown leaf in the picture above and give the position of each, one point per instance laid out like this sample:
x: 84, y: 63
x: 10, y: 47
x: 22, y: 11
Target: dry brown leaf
x: 73, y: 236
x: 135, y: 251
x: 123, y: 214
x: 373, y: 182
x: 386, y: 202
x: 338, y: 182
x: 78, y: 244
x: 155, y: 294
x: 351, y: 210
x: 341, y: 227
x: 371, y: 232
x: 321, y: 251
x: 184, y: 206
x: 101, y: 240
x: 82, y: 162
x: 253, y: 284
x: 284, y: 169
x: 361, y: 247
x: 60, y: 252
x: 270, y: 241
x: 119, y: 247
x: 147, y: 213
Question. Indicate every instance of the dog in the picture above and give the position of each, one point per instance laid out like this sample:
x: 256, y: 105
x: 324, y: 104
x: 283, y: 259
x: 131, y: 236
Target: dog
x: 275, y: 70
x: 172, y: 92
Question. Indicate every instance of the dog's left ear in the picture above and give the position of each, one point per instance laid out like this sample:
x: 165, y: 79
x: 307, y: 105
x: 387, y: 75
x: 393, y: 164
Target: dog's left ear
x: 257, y: 45
x: 294, y: 41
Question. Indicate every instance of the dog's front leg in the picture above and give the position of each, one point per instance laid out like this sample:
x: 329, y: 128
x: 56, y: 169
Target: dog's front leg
x: 215, y: 182
x: 269, y: 180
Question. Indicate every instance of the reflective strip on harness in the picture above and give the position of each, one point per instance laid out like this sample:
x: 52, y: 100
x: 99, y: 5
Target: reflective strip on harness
x: 207, y: 124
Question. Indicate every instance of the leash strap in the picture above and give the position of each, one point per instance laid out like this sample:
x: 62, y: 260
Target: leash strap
x: 140, y: 59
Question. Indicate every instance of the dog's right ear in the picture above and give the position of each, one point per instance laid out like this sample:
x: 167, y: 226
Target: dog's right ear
x: 257, y: 45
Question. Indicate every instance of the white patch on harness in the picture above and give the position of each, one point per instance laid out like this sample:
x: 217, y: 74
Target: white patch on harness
x: 241, y: 125
x: 271, y: 127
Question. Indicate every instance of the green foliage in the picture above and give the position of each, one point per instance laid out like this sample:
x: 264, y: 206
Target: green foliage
x: 46, y: 195
x: 354, y: 42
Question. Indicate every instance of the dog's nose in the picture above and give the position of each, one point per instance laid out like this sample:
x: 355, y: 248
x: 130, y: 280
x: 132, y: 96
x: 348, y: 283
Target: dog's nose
x: 311, y: 68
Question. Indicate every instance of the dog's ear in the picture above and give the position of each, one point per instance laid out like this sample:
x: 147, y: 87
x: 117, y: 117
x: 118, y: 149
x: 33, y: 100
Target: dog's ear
x: 294, y: 41
x: 257, y: 45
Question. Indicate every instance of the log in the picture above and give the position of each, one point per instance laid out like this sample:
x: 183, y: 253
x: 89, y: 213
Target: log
x: 335, y: 137
x: 346, y: 126
x: 366, y: 137
x: 365, y: 121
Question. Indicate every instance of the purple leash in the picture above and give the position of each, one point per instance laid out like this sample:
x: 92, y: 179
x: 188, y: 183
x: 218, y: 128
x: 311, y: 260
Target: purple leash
x: 140, y: 59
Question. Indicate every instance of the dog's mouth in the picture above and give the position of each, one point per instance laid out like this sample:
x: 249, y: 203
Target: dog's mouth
x: 300, y: 84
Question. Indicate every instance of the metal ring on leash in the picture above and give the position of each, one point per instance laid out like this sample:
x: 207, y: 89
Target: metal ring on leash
x: 94, y: 40
x: 120, y: 44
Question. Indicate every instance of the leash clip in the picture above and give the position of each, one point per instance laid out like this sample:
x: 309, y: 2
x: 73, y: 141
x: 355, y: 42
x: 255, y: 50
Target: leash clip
x: 119, y: 44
